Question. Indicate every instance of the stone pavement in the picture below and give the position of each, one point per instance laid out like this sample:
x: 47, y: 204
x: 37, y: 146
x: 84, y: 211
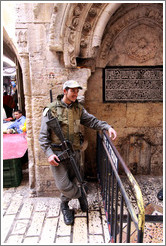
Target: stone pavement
x: 38, y: 220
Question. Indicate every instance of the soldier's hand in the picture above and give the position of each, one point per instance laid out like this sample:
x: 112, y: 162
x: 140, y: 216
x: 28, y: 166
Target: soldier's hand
x: 53, y: 160
x: 111, y: 132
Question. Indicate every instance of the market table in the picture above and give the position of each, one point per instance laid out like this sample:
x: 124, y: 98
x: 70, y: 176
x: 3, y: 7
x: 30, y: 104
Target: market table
x: 14, y: 149
x: 14, y: 146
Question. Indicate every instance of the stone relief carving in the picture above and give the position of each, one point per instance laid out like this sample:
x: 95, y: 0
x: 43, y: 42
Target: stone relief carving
x: 79, y: 27
x: 52, y: 25
x: 77, y: 11
x: 92, y: 12
x: 75, y: 22
x: 81, y: 21
x: 70, y: 49
x: 70, y: 37
x: 36, y: 9
x: 97, y: 5
x: 87, y: 26
x: 80, y: 24
x: 83, y: 43
x: 22, y: 40
x: 139, y: 43
x: 55, y: 31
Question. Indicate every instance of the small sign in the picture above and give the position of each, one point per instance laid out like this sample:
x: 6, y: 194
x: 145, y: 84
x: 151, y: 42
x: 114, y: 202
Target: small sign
x: 111, y: 151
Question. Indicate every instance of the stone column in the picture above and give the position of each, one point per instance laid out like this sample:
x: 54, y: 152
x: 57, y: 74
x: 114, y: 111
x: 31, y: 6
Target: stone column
x: 24, y: 55
x: 29, y: 126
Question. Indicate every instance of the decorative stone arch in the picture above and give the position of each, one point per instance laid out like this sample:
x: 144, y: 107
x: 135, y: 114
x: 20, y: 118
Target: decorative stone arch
x: 137, y: 23
x: 86, y: 31
x: 81, y: 29
x: 10, y: 51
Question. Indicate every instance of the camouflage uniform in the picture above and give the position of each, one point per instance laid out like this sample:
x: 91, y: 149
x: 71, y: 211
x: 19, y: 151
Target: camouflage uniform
x: 70, y: 118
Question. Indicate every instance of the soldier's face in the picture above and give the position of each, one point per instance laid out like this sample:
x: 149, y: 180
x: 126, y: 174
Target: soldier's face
x: 71, y: 94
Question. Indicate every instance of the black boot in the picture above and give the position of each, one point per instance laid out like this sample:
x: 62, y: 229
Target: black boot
x: 83, y: 202
x: 68, y: 214
x: 160, y: 195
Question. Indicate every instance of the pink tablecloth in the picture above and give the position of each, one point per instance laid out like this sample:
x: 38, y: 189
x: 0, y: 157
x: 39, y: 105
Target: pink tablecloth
x: 14, y: 146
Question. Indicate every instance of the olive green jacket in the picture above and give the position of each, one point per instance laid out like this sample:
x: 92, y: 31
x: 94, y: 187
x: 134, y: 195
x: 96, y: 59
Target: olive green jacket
x: 70, y: 118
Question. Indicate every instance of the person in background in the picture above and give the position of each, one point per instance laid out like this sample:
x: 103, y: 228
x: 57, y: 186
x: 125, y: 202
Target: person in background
x: 8, y: 104
x: 16, y: 127
x: 14, y: 94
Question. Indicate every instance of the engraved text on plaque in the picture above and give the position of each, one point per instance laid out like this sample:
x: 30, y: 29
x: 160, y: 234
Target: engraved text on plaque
x: 137, y: 84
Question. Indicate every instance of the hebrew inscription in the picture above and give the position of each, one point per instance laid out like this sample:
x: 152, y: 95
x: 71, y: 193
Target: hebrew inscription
x: 137, y: 84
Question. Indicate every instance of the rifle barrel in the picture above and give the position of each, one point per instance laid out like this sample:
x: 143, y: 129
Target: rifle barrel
x: 51, y: 99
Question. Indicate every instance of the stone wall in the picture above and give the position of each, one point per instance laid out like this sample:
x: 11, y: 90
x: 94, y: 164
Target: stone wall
x: 42, y: 70
x: 139, y: 129
x: 127, y: 41
x: 53, y: 45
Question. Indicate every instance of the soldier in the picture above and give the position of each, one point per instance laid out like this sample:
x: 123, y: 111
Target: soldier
x: 70, y: 114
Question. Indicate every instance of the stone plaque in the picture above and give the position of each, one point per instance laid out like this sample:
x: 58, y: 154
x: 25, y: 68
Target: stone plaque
x: 133, y: 84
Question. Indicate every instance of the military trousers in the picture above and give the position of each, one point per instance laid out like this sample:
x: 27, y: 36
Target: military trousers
x: 65, y: 179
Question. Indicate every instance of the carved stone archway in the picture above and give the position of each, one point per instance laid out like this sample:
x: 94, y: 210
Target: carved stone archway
x: 137, y: 22
x: 86, y: 32
x: 81, y: 30
x: 10, y: 51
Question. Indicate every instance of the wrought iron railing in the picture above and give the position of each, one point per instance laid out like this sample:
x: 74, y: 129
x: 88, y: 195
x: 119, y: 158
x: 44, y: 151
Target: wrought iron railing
x: 125, y: 218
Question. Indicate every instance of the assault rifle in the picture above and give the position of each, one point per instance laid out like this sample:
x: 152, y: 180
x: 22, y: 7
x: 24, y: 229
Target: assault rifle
x: 68, y: 153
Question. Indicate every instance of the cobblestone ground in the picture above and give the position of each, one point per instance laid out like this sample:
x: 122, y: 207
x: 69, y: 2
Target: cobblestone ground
x: 38, y: 220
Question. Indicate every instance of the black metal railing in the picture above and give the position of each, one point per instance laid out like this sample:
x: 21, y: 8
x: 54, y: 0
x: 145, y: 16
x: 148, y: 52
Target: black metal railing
x: 125, y: 217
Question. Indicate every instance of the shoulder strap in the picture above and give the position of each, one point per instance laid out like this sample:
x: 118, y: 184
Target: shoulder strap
x: 54, y: 109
